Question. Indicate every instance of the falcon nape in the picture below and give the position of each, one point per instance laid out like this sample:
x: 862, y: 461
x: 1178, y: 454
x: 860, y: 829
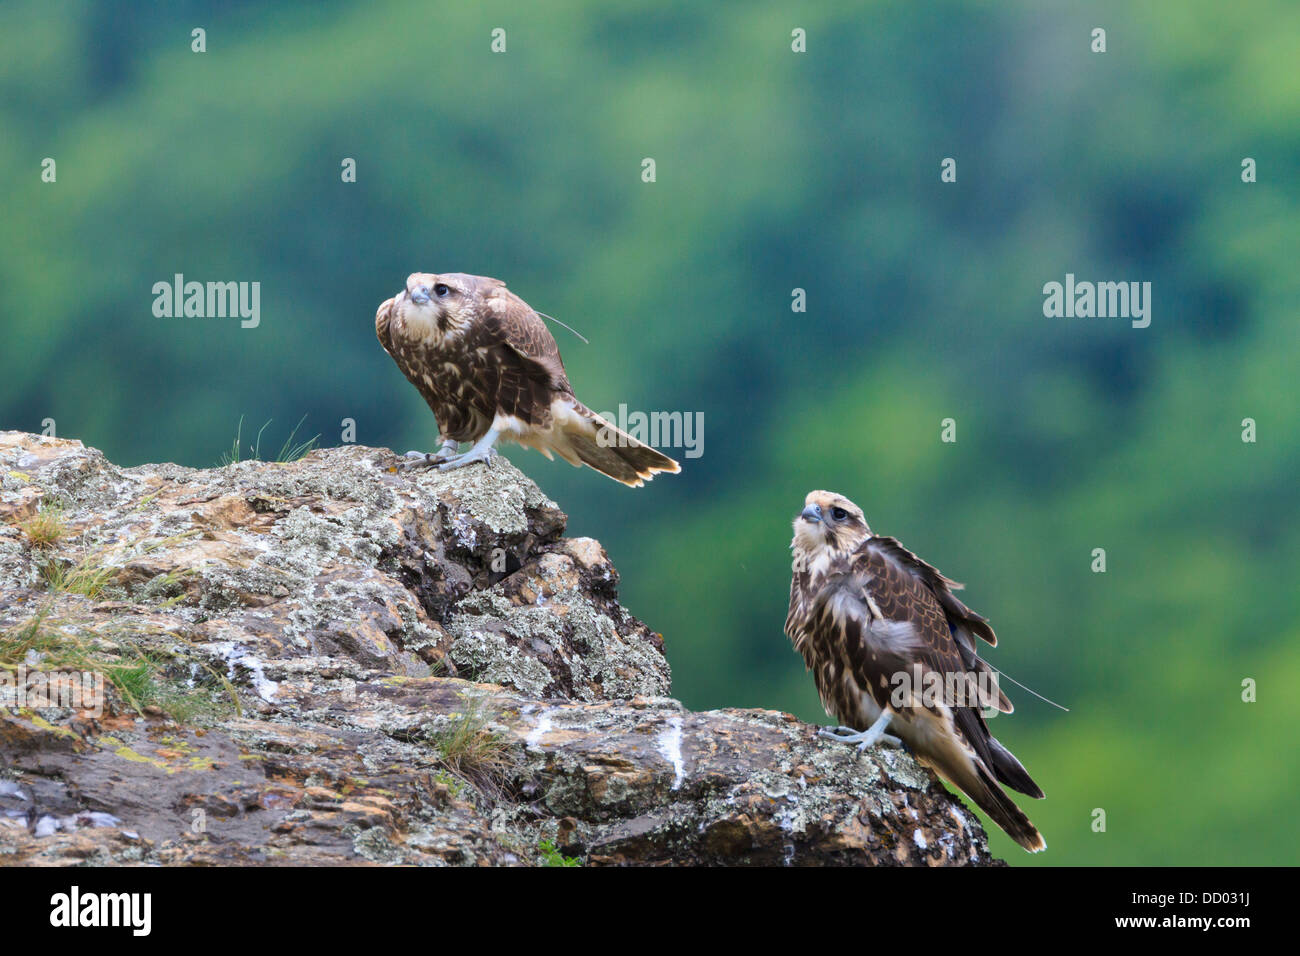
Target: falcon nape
x: 880, y: 629
x: 489, y: 369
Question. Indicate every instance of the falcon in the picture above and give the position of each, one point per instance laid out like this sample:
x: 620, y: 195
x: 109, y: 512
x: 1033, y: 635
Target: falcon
x: 490, y: 370
x: 892, y: 650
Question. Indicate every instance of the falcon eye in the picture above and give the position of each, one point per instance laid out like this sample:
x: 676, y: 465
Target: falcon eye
x: 839, y: 514
x: 441, y: 290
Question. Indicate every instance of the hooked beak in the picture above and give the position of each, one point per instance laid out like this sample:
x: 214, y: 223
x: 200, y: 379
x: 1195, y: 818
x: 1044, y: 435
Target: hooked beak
x: 419, y: 295
x: 812, y: 513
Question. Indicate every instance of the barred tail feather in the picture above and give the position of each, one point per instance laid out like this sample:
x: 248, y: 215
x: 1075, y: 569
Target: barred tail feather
x: 1002, y: 810
x: 580, y: 436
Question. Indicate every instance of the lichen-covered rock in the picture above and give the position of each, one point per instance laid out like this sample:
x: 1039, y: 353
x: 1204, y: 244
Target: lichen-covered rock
x: 337, y: 660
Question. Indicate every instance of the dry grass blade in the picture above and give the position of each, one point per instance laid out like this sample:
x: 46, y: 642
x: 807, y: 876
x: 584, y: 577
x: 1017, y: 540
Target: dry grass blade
x: 467, y: 748
x: 46, y: 527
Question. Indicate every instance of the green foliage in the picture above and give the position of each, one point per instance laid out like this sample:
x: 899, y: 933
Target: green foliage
x: 549, y: 855
x: 775, y: 171
x: 138, y: 676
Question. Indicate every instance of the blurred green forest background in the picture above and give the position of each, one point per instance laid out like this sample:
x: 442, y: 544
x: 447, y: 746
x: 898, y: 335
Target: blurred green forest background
x: 775, y: 171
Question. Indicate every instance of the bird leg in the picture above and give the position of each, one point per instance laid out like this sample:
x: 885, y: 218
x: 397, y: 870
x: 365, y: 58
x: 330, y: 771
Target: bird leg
x: 418, y: 459
x: 483, y: 451
x: 868, y: 738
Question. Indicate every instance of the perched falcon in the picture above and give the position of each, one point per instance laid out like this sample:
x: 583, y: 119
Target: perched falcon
x: 892, y: 648
x: 490, y: 370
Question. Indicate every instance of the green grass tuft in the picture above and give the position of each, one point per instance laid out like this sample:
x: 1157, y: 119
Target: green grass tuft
x: 469, y: 750
x: 289, y: 451
x: 86, y: 577
x: 137, y: 676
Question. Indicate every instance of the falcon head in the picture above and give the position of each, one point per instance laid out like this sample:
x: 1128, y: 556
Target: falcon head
x: 440, y: 306
x: 829, y: 521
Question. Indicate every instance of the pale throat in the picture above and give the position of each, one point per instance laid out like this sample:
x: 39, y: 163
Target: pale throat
x: 812, y: 553
x: 422, y: 325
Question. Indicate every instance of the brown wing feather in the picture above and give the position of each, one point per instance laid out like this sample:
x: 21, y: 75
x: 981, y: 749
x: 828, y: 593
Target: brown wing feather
x: 902, y: 592
x: 511, y: 320
x: 903, y: 596
x: 940, y: 585
x: 964, y: 623
x: 829, y: 619
x: 525, y: 355
x: 828, y: 623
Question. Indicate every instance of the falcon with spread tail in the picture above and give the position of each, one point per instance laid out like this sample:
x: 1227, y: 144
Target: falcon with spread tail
x: 490, y: 370
x: 893, y: 649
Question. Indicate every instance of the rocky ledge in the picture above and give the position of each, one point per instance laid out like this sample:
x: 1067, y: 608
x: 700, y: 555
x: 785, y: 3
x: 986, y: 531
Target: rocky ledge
x: 337, y: 661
